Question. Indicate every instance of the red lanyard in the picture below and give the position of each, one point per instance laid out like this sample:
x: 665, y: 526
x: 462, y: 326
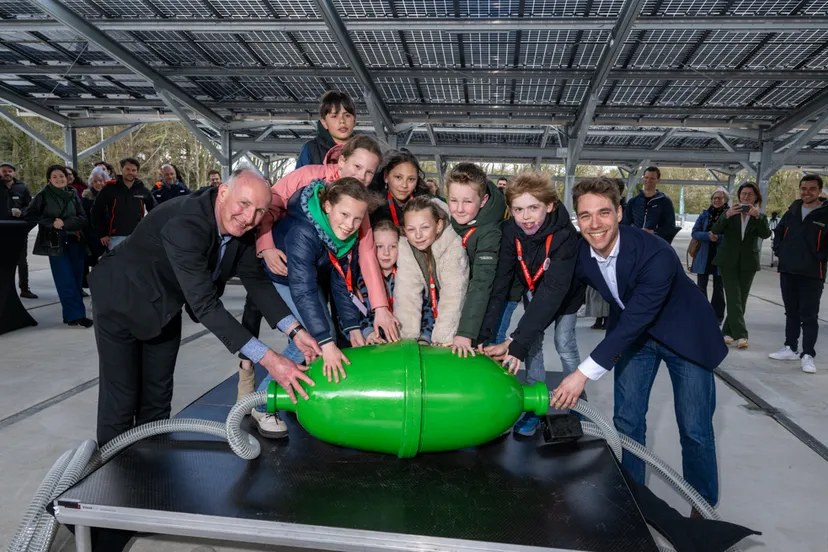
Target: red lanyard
x: 432, y: 290
x: 393, y: 207
x: 467, y: 234
x: 349, y: 280
x: 391, y: 298
x: 530, y: 281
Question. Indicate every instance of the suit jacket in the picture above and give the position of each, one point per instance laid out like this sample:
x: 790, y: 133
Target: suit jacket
x: 661, y: 302
x: 168, y: 261
x: 735, y: 252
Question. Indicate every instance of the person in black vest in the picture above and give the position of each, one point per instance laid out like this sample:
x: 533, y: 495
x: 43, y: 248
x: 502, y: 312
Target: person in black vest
x: 802, y: 251
x: 121, y: 204
x: 651, y: 210
x: 14, y: 199
x: 183, y: 254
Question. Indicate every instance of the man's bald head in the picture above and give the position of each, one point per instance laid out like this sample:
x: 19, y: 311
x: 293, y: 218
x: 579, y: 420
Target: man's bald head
x: 241, y: 202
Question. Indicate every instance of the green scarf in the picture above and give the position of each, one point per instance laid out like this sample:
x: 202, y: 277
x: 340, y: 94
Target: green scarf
x: 58, y: 202
x: 315, y: 210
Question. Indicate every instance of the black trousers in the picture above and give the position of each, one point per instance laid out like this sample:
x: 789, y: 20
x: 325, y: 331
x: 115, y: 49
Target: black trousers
x: 718, y: 299
x: 136, y: 377
x: 801, y: 296
x: 23, y: 268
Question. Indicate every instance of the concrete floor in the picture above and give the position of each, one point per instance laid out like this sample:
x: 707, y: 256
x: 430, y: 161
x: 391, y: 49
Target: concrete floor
x: 770, y: 480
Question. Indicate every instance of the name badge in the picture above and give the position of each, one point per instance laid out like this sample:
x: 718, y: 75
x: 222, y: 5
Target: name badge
x: 359, y: 305
x: 529, y: 295
x: 820, y: 224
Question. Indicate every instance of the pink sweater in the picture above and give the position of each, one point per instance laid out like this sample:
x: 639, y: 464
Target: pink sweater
x: 280, y: 194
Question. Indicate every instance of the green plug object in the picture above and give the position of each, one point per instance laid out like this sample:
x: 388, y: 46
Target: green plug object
x: 404, y: 398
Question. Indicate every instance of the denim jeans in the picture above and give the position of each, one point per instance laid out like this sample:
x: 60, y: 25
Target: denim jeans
x: 67, y: 271
x: 694, y: 394
x: 292, y: 352
x: 565, y: 344
x: 505, y: 320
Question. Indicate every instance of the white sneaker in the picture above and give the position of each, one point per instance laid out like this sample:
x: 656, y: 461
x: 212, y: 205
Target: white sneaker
x: 742, y: 343
x: 728, y: 340
x: 270, y: 426
x: 808, y: 364
x: 785, y: 353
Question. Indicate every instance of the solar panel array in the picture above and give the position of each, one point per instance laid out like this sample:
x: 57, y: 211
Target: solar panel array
x: 481, y: 72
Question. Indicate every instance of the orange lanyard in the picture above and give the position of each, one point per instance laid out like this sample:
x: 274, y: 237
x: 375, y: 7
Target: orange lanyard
x: 432, y: 291
x: 530, y: 281
x: 349, y: 280
x: 467, y: 234
x: 391, y: 298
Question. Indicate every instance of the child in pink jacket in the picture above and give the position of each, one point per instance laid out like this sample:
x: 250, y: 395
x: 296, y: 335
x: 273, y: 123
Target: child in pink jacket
x: 358, y: 158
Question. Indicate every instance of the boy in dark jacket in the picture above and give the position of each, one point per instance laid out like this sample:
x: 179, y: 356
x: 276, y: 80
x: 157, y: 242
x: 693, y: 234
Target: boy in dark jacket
x: 802, y: 247
x: 337, y: 119
x: 120, y: 205
x: 651, y: 210
x: 476, y: 208
x: 539, y: 246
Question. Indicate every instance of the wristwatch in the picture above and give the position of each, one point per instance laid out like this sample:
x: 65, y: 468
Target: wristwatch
x: 295, y: 331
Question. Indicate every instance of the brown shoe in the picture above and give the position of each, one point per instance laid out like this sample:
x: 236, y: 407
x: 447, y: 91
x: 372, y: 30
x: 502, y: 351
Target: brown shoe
x: 247, y: 382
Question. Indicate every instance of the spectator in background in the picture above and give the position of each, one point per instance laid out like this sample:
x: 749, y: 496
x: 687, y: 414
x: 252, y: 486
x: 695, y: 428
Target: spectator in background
x: 58, y: 212
x: 110, y: 170
x: 737, y: 257
x: 97, y: 179
x: 433, y: 188
x: 337, y: 119
x: 651, y: 210
x: 502, y: 182
x: 14, y: 200
x: 170, y: 185
x: 802, y: 255
x: 121, y: 204
x: 214, y: 178
x: 74, y: 181
x: 709, y: 242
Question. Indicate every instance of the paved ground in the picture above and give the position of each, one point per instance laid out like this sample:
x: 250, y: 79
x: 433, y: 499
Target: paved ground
x: 770, y: 480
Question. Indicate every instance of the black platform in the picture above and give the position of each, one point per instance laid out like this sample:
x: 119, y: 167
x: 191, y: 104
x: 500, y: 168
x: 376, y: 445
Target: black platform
x: 511, y: 494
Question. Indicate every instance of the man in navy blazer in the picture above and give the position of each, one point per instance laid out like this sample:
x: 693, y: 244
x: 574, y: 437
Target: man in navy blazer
x: 656, y: 313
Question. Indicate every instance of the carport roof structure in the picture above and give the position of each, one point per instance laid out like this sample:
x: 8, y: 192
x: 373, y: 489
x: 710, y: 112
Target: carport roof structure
x: 729, y: 84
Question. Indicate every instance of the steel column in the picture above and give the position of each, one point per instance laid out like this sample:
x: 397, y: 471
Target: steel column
x: 441, y: 171
x: 70, y: 144
x: 765, y: 171
x: 109, y: 141
x: 227, y: 152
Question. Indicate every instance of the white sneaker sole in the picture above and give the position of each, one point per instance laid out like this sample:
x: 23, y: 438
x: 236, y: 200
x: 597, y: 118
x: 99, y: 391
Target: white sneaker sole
x: 783, y: 358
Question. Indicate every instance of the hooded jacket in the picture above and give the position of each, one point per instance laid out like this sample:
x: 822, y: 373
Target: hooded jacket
x: 482, y: 241
x: 16, y: 196
x: 656, y: 213
x: 161, y: 192
x: 802, y: 245
x: 314, y: 151
x: 556, y: 293
x: 283, y: 190
x: 118, y: 210
x: 451, y: 275
x: 307, y: 246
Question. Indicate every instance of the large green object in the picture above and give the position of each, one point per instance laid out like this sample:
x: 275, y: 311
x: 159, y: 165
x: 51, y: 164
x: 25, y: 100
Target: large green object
x: 404, y: 398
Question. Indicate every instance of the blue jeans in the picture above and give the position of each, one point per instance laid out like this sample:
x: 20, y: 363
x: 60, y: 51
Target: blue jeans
x: 292, y: 352
x: 694, y: 394
x: 505, y: 320
x: 565, y: 344
x: 67, y: 271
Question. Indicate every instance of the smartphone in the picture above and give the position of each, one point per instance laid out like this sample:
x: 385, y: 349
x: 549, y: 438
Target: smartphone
x: 746, y: 208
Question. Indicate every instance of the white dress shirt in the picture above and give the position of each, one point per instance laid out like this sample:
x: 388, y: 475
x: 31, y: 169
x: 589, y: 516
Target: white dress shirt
x: 589, y: 367
x: 745, y: 220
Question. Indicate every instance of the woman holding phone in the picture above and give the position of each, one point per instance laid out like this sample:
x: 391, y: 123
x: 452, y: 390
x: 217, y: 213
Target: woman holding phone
x: 743, y: 226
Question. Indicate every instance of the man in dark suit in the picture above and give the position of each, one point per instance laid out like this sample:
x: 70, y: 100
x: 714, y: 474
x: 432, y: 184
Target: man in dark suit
x: 656, y: 313
x: 183, y: 253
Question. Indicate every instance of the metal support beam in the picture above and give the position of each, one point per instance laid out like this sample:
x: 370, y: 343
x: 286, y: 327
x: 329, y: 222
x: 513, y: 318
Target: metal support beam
x: 729, y: 147
x: 664, y: 139
x: 221, y: 156
x: 21, y: 102
x: 766, y: 170
x: 109, y: 141
x: 731, y: 179
x: 79, y: 25
x: 70, y: 144
x: 803, y: 138
x: 266, y: 133
x: 441, y: 172
x: 35, y: 135
x: 381, y: 129
x: 431, y: 137
x: 227, y: 152
x: 346, y: 46
x: 120, y: 120
x: 809, y: 110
